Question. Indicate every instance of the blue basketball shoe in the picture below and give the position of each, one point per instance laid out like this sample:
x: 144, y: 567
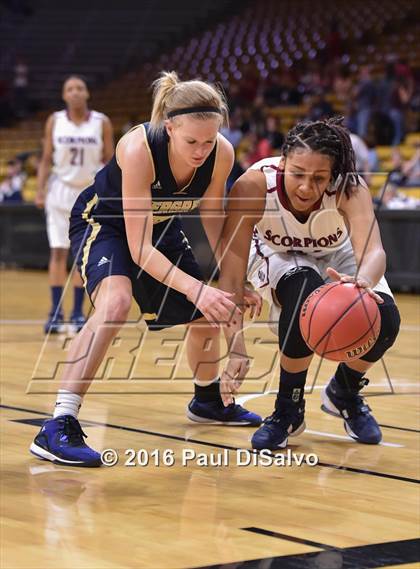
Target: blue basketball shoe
x: 55, y: 323
x: 61, y: 440
x: 216, y: 413
x: 286, y: 421
x: 359, y: 423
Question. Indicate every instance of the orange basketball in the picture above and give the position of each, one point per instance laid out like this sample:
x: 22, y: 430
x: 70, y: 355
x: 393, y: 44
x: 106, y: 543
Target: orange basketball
x: 340, y: 321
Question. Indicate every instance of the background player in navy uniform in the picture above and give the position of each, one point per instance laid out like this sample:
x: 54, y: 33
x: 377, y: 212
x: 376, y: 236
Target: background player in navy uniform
x: 77, y: 143
x: 128, y: 241
x: 289, y: 207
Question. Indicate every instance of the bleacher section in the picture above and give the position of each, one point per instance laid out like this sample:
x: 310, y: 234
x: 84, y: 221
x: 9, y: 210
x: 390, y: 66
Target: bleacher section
x: 252, y: 38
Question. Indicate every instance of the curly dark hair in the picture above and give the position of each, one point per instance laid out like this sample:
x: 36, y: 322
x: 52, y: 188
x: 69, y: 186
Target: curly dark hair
x: 331, y: 138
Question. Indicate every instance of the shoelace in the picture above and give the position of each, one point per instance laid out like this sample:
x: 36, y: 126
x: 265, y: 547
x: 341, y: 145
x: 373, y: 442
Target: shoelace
x: 233, y: 405
x: 355, y: 405
x: 73, y: 431
x: 232, y: 408
x: 277, y: 418
x: 286, y: 416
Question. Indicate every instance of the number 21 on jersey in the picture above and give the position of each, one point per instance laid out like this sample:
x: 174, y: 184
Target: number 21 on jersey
x: 77, y: 156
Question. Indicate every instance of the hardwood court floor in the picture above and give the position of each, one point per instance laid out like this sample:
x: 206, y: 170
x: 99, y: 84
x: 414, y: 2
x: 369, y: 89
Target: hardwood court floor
x: 359, y: 507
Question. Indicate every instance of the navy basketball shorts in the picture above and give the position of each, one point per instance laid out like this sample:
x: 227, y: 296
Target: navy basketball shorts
x: 101, y: 250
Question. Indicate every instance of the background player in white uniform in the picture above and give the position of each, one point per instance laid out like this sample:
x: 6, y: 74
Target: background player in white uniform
x: 77, y: 143
x: 310, y: 219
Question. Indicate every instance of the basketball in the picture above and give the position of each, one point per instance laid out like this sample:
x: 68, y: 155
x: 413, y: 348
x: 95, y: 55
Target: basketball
x: 340, y: 321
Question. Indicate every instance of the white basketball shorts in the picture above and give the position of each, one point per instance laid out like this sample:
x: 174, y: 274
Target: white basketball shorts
x: 58, y: 205
x: 266, y: 267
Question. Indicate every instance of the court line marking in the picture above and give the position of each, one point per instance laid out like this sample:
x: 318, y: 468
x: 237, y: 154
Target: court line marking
x: 291, y: 538
x: 400, y: 428
x: 217, y: 445
x: 410, y: 327
x: 346, y: 438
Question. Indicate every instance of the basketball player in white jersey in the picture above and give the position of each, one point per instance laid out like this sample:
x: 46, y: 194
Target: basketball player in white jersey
x: 310, y: 219
x: 77, y: 143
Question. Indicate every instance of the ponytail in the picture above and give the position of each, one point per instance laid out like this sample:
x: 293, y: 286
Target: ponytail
x: 172, y: 95
x: 163, y: 87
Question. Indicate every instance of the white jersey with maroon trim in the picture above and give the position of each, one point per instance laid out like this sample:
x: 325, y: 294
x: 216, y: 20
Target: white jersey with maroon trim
x: 324, y: 231
x: 78, y: 149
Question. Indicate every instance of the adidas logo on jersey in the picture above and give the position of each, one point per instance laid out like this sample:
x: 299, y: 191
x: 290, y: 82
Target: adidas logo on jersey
x: 103, y: 261
x: 156, y: 186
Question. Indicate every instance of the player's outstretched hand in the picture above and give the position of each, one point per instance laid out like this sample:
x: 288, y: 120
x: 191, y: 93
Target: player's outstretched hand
x: 232, y: 377
x: 253, y: 301
x: 215, y: 305
x: 359, y: 281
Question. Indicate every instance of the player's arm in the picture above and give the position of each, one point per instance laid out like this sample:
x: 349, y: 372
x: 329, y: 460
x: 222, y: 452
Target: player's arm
x: 212, y: 212
x: 45, y: 163
x: 365, y: 239
x: 108, y: 140
x: 137, y: 177
x: 245, y: 208
x: 212, y: 203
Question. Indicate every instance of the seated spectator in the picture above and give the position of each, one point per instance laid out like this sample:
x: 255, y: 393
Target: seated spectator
x: 273, y: 133
x: 282, y: 89
x: 252, y: 149
x: 232, y: 132
x: 12, y: 185
x: 405, y: 173
x: 411, y: 169
x: 311, y: 81
x: 403, y: 70
x: 275, y: 92
x: 343, y: 84
x: 319, y: 108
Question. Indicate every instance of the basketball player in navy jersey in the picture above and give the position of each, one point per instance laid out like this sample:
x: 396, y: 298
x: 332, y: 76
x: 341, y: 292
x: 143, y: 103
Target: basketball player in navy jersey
x: 127, y: 237
x: 77, y: 143
x: 310, y: 219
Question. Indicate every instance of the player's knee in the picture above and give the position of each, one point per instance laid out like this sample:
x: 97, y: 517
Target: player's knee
x: 58, y: 255
x: 117, y: 307
x: 295, y: 285
x: 292, y: 290
x: 390, y: 327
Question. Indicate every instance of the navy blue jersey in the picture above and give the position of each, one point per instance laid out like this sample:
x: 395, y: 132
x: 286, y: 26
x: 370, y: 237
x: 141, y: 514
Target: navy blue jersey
x: 99, y: 241
x: 168, y: 200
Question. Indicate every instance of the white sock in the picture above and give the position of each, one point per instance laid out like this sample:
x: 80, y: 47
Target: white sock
x: 67, y: 403
x: 201, y: 383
